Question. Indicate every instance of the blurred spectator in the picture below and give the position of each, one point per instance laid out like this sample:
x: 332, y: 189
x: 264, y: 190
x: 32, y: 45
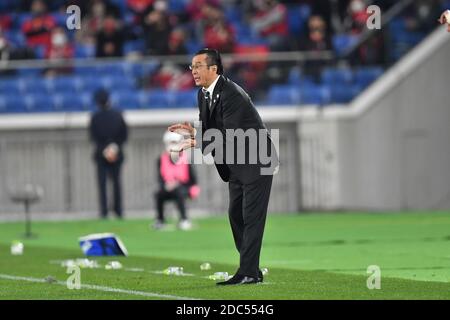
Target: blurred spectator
x: 317, y: 41
x: 355, y: 21
x: 171, y: 76
x: 217, y: 33
x: 92, y: 23
x: 194, y: 8
x: 372, y: 50
x: 60, y: 48
x: 140, y: 8
x: 176, y: 180
x: 6, y: 22
x: 37, y: 29
x: 7, y: 53
x: 333, y: 12
x: 317, y: 38
x: 421, y: 17
x: 177, y: 42
x: 110, y: 39
x: 270, y: 21
x: 253, y: 75
x: 157, y: 30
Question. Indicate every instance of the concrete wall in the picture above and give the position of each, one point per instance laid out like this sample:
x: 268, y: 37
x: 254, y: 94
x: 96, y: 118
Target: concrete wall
x: 59, y: 159
x: 394, y: 154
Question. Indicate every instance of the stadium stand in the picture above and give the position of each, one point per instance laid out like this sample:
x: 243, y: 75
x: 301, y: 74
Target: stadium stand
x: 144, y: 83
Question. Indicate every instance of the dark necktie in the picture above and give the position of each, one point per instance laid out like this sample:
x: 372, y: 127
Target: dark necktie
x: 207, y: 97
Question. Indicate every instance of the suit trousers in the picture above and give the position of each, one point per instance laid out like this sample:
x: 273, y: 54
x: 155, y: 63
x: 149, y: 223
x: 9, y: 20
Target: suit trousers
x: 113, y: 171
x: 247, y: 213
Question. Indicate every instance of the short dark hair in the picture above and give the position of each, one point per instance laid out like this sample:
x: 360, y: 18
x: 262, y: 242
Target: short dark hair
x: 213, y: 58
x: 101, y: 98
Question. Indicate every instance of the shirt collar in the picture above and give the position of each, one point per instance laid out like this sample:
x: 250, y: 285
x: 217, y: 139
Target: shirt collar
x: 210, y: 89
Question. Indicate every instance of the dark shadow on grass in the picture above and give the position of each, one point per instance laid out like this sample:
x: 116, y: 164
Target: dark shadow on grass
x: 338, y: 242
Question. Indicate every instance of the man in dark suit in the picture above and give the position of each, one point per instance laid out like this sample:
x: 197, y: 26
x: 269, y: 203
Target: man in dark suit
x: 109, y: 132
x: 225, y: 108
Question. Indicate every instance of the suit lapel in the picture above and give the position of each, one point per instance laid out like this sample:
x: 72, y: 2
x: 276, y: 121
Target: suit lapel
x: 216, y: 94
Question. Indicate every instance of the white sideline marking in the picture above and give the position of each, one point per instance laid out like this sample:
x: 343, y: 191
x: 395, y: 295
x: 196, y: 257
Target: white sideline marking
x: 100, y: 288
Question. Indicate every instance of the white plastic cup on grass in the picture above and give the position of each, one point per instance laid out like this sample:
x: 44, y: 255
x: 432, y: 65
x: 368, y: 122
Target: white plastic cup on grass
x: 219, y: 276
x: 17, y: 248
x: 205, y: 266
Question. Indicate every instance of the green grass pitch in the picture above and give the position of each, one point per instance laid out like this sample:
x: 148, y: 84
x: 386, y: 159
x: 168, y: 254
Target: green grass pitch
x: 309, y: 256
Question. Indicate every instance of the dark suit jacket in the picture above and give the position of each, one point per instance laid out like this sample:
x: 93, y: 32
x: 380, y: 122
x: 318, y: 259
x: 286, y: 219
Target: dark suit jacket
x: 107, y: 126
x: 232, y: 108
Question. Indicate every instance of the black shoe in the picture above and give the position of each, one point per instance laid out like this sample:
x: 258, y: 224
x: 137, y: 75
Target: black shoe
x: 260, y: 276
x: 238, y: 279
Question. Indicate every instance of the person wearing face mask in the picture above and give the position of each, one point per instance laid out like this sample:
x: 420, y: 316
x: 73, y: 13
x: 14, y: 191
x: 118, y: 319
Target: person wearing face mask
x: 37, y: 29
x: 60, y: 48
x: 176, y: 180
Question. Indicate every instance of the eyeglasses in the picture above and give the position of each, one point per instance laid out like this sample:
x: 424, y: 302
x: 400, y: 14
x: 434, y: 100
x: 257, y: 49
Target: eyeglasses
x: 197, y: 66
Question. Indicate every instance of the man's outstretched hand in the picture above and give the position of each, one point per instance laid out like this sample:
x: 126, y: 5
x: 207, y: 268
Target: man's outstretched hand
x: 188, y: 133
x: 185, y: 129
x: 445, y: 18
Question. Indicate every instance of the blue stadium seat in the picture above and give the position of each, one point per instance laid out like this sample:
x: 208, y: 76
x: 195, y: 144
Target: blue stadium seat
x: 284, y: 95
x: 12, y: 103
x: 39, y: 102
x: 68, y: 102
x: 35, y: 86
x: 193, y: 46
x: 297, y: 18
x: 39, y: 52
x: 84, y: 51
x: 7, y: 6
x: 121, y: 4
x: 125, y: 99
x: 295, y: 76
x: 245, y: 35
x: 26, y: 72
x: 132, y: 46
x: 64, y: 84
x: 90, y: 84
x: 233, y: 14
x: 177, y: 6
x: 115, y: 82
x: 86, y: 71
x: 397, y: 25
x: 445, y: 5
x: 365, y: 76
x: 342, y: 42
x: 185, y: 99
x: 109, y: 69
x: 60, y: 18
x: 315, y: 95
x: 156, y: 99
x: 138, y: 70
x: 16, y: 37
x: 12, y: 86
x: 332, y: 76
x: 344, y: 93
